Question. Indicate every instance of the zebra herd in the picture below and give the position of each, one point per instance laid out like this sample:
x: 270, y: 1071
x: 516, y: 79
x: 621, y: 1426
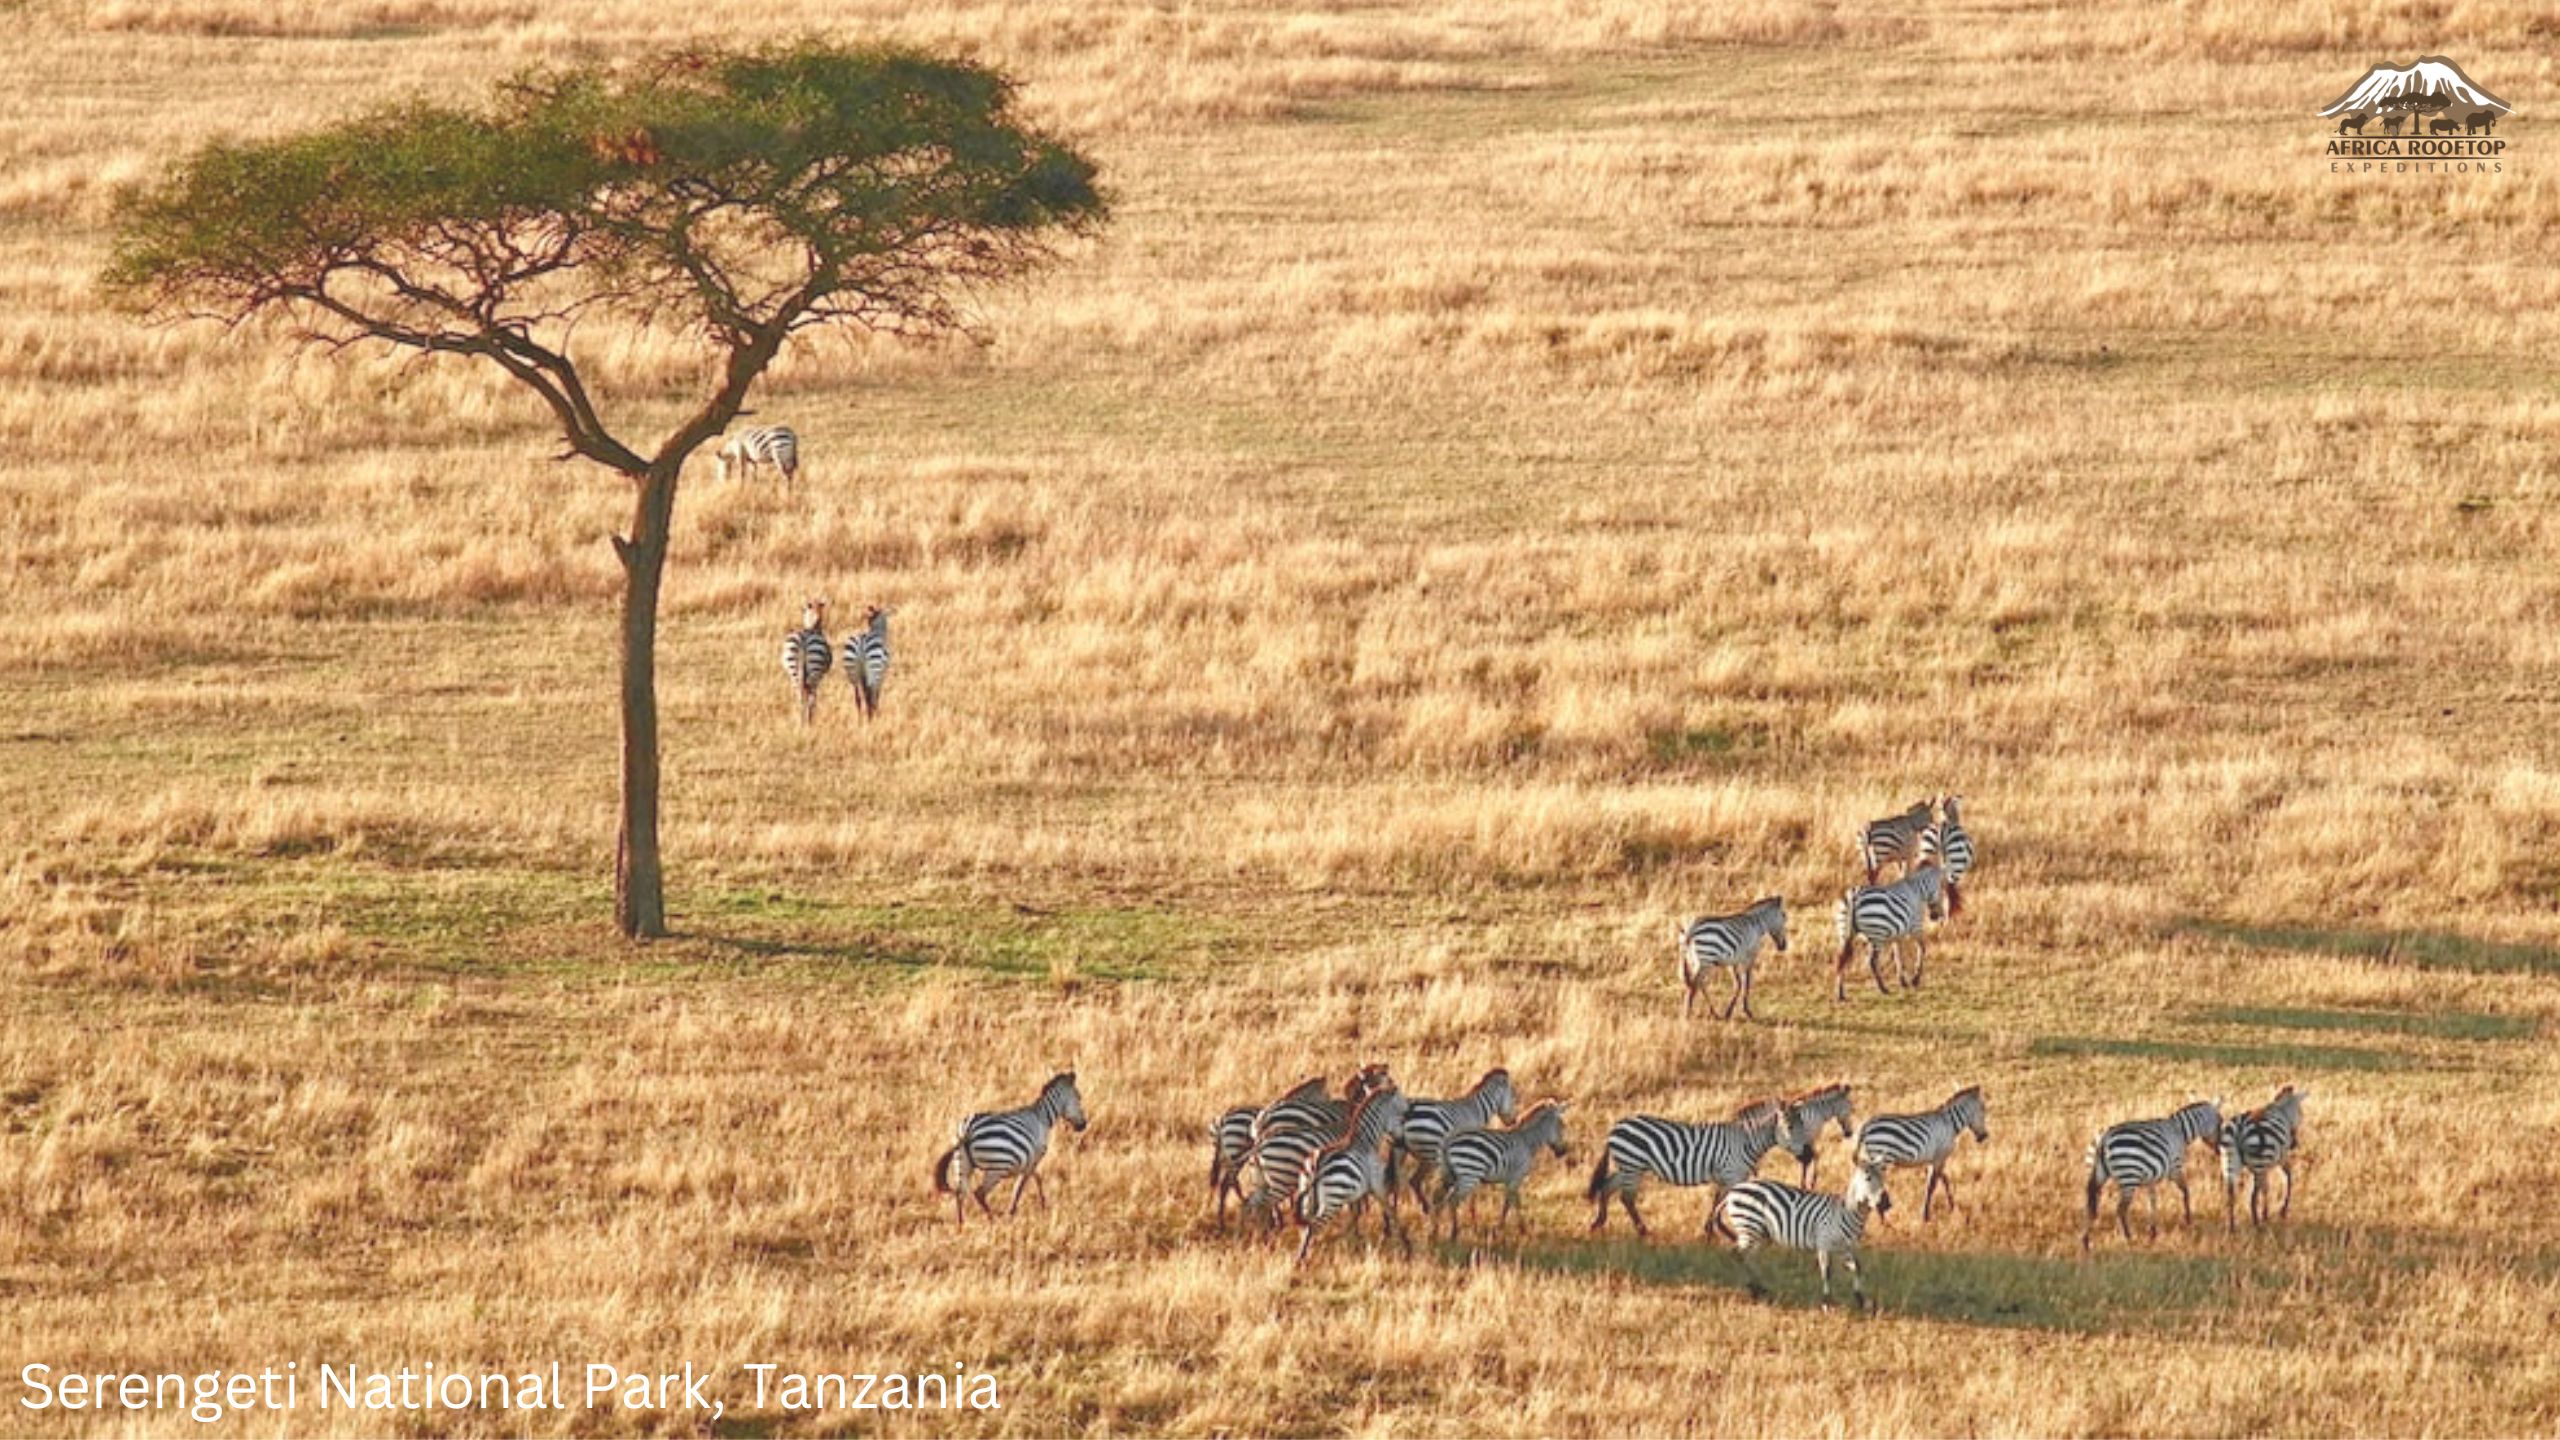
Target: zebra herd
x: 808, y: 652
x: 1315, y: 1159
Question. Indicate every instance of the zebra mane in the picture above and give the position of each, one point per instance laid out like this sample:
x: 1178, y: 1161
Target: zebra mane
x: 1836, y: 1087
x: 1496, y: 1073
x: 1974, y: 1090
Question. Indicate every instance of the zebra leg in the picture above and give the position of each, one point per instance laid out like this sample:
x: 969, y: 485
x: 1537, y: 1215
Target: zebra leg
x: 1875, y: 964
x: 1747, y: 975
x: 1857, y: 1279
x: 2124, y: 1211
x: 1920, y: 962
x: 2286, y: 1165
x: 1306, y: 1243
x: 1822, y: 1262
x: 1040, y: 1187
x: 2186, y: 1201
x: 985, y: 1185
x: 1751, y: 1272
x: 1628, y: 1199
x: 1840, y: 969
x: 1691, y: 985
x: 1929, y: 1193
x: 2097, y: 1187
x: 1511, y: 1208
x: 1020, y: 1182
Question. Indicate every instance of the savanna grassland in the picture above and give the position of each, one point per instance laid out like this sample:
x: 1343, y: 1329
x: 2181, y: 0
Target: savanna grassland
x: 1510, y: 477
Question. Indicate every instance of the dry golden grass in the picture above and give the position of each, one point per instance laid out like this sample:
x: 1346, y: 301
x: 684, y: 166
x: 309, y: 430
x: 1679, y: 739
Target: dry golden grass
x: 1512, y: 476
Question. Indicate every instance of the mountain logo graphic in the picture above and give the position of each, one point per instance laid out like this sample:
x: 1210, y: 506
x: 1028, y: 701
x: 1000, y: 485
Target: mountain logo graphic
x: 2429, y: 97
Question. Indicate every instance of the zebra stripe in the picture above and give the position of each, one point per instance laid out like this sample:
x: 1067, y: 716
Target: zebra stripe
x: 1292, y: 1131
x: 866, y: 659
x: 1308, y: 1107
x: 1885, y: 916
x: 1350, y: 1172
x: 1732, y: 942
x: 1008, y: 1144
x: 1803, y: 1118
x: 1903, y: 1141
x: 2257, y: 1141
x: 1773, y: 1212
x: 773, y: 445
x: 1501, y: 1157
x: 1231, y: 1141
x: 1894, y: 838
x: 1429, y: 1124
x: 2138, y: 1154
x: 1677, y: 1153
x: 1947, y: 843
x: 806, y: 653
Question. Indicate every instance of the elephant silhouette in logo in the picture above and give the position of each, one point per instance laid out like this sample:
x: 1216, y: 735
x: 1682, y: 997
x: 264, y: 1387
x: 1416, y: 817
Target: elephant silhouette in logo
x: 2446, y: 126
x: 2352, y: 124
x: 2479, y: 121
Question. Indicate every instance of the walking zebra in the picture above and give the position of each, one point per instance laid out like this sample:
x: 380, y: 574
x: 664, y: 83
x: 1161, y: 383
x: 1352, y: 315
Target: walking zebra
x: 1885, y: 916
x: 1007, y: 1144
x: 1732, y: 942
x: 1803, y: 1117
x: 1928, y: 1138
x: 1501, y: 1157
x: 1677, y: 1153
x: 1350, y: 1172
x: 2258, y: 1141
x: 1429, y: 1124
x: 2139, y: 1154
x: 1290, y: 1134
x: 1894, y: 838
x: 1947, y: 843
x: 1308, y: 1107
x: 806, y: 653
x: 866, y: 659
x: 772, y: 445
x: 1231, y: 1140
x: 1773, y: 1212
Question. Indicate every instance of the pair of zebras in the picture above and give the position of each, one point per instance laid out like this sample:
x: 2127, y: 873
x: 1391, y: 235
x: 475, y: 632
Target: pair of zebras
x: 1931, y: 844
x: 807, y: 653
x: 1327, y: 1158
x: 2141, y: 1155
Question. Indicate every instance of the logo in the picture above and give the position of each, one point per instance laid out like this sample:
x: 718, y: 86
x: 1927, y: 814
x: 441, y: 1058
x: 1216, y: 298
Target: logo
x: 2426, y: 116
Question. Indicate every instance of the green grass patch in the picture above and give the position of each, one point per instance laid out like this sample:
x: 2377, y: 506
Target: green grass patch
x: 2294, y: 1057
x: 2423, y: 949
x: 2439, y: 1025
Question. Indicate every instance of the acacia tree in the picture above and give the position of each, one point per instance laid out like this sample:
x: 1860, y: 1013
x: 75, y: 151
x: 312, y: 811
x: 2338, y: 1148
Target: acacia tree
x: 736, y: 198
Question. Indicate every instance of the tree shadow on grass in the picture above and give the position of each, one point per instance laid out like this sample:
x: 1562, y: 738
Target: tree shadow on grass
x: 2105, y: 1293
x: 2437, y: 1025
x: 2423, y: 949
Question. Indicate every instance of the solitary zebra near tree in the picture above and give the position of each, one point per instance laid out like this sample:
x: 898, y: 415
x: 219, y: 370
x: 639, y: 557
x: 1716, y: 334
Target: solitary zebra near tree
x: 1773, y: 1212
x: 2257, y: 1141
x: 1885, y: 916
x: 773, y: 445
x: 1928, y: 1138
x: 2138, y: 1154
x: 1731, y: 942
x: 1350, y: 1172
x: 806, y: 653
x: 1429, y: 1124
x: 1008, y: 1144
x: 1947, y: 843
x: 1895, y: 838
x: 1678, y: 1153
x: 866, y: 659
x: 1500, y: 1157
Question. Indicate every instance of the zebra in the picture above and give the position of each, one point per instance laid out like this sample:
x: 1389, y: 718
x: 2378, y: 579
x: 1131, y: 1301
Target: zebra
x: 1947, y: 843
x: 1884, y: 916
x: 1429, y: 1124
x: 1773, y: 1212
x: 2139, y: 1154
x: 1803, y: 1117
x: 1347, y: 1174
x: 866, y: 659
x: 1677, y: 1153
x: 806, y: 653
x: 1307, y: 1107
x: 1231, y: 1140
x: 1290, y: 1134
x: 1928, y: 1138
x: 1895, y: 837
x: 1501, y: 1157
x: 2257, y: 1141
x: 773, y: 445
x: 1007, y: 1144
x: 1733, y: 942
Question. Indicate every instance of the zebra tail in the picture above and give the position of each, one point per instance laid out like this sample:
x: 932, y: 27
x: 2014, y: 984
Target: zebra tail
x: 1599, y: 1177
x: 942, y: 1171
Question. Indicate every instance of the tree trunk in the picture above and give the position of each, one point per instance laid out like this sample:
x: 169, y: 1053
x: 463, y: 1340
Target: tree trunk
x: 639, y: 886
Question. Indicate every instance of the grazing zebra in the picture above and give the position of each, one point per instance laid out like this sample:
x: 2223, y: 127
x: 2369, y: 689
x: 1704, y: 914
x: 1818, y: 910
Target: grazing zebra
x: 1732, y: 942
x: 1885, y: 916
x: 1347, y: 1174
x: 1894, y: 838
x: 1805, y: 1115
x: 1676, y: 1153
x: 866, y: 659
x: 772, y: 445
x: 1231, y: 1139
x: 2258, y: 1141
x: 2139, y: 1154
x: 1947, y: 843
x: 1429, y: 1124
x: 1008, y: 1144
x: 1502, y: 1157
x: 1928, y: 1138
x: 806, y: 653
x: 1773, y: 1212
